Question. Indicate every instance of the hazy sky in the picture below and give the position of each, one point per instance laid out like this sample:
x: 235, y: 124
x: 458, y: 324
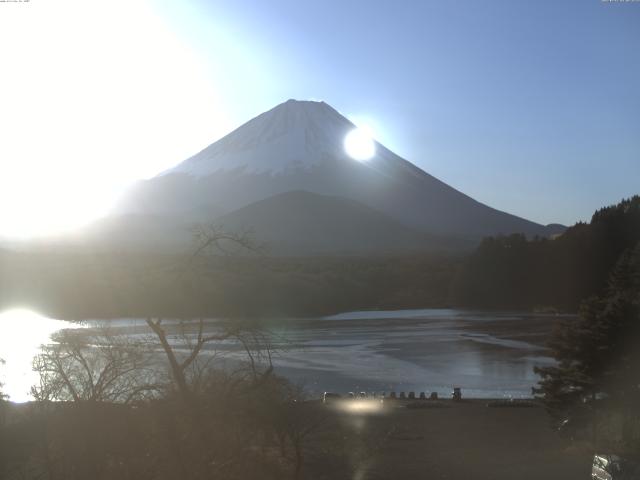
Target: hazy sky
x: 532, y: 107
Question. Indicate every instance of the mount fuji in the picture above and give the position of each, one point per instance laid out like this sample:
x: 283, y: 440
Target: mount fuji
x: 293, y: 157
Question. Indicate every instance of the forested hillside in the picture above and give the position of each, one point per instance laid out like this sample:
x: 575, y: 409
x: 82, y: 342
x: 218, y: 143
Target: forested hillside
x: 89, y: 285
x: 514, y: 272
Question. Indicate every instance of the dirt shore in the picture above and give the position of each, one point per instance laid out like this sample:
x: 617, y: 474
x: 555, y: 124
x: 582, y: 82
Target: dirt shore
x: 456, y: 441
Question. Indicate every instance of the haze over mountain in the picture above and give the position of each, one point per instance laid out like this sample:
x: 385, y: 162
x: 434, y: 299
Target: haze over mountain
x: 298, y: 146
x: 300, y: 222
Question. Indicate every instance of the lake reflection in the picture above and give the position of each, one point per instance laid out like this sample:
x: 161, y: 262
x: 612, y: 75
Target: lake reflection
x: 22, y: 332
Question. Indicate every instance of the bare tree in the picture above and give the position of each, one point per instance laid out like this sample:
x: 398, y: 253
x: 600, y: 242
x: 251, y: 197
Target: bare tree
x: 97, y: 366
x: 2, y: 394
x: 3, y: 398
x: 211, y: 240
x: 207, y: 430
x: 214, y: 239
x: 186, y: 365
x: 201, y: 440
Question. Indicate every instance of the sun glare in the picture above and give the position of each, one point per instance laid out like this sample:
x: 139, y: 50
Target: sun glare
x: 94, y: 96
x: 359, y: 144
x: 22, y: 332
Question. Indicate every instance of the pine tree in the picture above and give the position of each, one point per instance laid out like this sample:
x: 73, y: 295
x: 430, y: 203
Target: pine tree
x: 598, y: 355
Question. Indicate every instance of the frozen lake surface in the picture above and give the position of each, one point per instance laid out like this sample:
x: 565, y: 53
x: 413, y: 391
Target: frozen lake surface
x: 487, y: 354
x: 416, y: 350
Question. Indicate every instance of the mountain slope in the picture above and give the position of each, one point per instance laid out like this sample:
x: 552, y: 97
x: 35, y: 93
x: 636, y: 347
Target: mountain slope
x: 140, y: 232
x: 298, y: 145
x: 300, y: 222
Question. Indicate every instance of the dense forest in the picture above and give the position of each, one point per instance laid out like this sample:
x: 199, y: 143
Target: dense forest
x: 592, y: 389
x: 76, y: 285
x: 509, y: 272
x: 515, y: 272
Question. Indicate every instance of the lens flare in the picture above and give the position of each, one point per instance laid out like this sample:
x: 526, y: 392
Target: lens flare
x: 360, y: 406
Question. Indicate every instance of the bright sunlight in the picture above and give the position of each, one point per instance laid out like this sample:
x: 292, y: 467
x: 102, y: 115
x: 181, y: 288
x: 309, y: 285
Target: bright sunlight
x: 359, y: 144
x: 22, y: 332
x: 90, y: 106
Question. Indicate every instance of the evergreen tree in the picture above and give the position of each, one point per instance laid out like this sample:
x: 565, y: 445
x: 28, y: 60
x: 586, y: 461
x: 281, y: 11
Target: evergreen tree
x: 597, y: 374
x: 516, y: 272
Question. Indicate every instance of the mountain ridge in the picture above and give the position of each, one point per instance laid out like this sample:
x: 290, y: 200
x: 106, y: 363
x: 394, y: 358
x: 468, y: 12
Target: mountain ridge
x: 299, y: 146
x: 298, y: 131
x: 298, y: 221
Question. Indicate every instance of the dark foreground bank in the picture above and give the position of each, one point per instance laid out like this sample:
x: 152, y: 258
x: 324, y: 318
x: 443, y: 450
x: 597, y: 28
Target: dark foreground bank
x: 455, y: 440
x: 444, y: 440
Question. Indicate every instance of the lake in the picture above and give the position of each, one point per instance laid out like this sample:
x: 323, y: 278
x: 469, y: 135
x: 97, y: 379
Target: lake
x: 487, y: 354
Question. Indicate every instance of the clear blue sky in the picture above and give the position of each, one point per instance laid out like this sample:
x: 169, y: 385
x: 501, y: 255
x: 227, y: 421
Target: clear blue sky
x: 530, y: 106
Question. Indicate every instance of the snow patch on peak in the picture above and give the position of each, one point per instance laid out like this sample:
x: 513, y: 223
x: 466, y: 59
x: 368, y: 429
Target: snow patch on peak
x: 295, y: 134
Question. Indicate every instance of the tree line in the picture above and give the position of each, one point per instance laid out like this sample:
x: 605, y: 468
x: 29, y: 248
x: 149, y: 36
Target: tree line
x: 516, y: 272
x: 593, y: 390
x: 76, y: 285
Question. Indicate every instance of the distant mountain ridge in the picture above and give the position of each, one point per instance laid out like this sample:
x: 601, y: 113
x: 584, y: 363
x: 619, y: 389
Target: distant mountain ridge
x: 298, y: 146
x: 300, y: 222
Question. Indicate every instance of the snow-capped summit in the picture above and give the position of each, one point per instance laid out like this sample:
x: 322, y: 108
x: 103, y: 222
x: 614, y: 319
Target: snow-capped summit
x: 295, y: 134
x: 299, y: 146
